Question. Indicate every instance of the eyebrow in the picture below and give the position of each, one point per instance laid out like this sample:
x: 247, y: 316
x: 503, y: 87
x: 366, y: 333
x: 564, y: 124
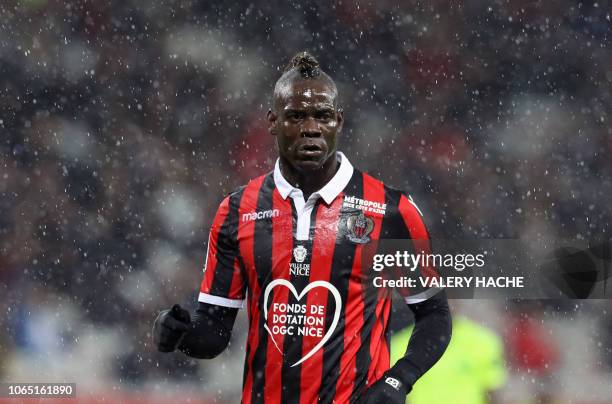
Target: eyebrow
x: 325, y: 106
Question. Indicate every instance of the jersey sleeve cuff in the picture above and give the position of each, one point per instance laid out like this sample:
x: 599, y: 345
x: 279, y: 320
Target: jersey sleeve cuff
x: 221, y: 301
x: 422, y: 296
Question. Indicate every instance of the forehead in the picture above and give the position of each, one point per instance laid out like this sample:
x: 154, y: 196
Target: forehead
x: 305, y: 93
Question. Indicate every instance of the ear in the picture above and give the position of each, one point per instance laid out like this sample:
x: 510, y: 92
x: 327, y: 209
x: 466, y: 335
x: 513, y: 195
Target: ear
x: 340, y: 118
x: 272, y: 117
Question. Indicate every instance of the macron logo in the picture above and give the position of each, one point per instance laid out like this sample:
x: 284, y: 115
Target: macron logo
x: 266, y: 214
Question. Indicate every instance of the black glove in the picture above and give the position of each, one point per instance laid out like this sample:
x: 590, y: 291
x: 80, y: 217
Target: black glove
x: 389, y: 389
x: 170, y: 327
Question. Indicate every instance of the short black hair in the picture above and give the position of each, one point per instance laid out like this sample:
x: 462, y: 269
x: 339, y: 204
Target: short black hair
x: 306, y: 64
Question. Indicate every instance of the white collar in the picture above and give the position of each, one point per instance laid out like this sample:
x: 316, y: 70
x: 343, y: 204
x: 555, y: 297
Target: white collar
x: 329, y: 191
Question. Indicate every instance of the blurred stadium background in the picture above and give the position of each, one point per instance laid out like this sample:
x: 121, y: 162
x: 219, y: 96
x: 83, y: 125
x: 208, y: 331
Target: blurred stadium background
x: 124, y: 123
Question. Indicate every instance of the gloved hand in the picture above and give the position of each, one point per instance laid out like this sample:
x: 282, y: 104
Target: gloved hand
x: 389, y: 389
x: 170, y: 327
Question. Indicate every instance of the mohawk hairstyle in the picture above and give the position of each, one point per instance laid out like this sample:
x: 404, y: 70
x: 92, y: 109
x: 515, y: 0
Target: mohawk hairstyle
x: 305, y: 64
x: 302, y: 66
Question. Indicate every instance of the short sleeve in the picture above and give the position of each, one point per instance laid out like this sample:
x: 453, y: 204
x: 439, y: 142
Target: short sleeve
x: 223, y: 283
x: 412, y: 219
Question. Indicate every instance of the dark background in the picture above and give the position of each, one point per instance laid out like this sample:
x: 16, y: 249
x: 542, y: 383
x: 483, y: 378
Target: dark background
x: 124, y: 123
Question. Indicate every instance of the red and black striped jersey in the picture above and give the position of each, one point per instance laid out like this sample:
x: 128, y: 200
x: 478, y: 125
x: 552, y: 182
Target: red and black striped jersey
x: 315, y: 332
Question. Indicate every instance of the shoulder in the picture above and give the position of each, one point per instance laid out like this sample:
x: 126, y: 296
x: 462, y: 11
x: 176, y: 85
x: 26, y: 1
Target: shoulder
x: 394, y: 197
x: 402, y: 217
x: 253, y: 185
x: 245, y: 193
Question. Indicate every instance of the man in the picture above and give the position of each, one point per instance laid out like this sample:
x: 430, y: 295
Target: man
x: 295, y: 239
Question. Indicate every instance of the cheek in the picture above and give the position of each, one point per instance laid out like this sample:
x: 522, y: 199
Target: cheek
x: 285, y: 137
x: 332, y: 125
x: 330, y: 139
x: 288, y: 129
x: 330, y: 131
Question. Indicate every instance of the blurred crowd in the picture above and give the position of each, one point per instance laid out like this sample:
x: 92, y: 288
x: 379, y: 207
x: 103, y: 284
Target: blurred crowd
x: 124, y: 123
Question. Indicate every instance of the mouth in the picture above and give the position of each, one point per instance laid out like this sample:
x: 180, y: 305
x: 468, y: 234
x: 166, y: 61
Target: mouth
x: 310, y: 150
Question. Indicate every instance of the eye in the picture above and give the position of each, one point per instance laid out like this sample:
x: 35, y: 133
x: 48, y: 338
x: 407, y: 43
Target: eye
x: 325, y: 116
x: 294, y: 116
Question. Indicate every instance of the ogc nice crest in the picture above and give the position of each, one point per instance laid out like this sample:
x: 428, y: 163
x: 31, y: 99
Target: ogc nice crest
x: 358, y: 226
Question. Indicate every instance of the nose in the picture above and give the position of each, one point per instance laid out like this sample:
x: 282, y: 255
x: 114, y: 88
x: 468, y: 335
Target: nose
x: 310, y: 128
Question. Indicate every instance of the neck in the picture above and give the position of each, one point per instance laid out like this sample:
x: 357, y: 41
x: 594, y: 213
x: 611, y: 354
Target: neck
x: 312, y: 180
